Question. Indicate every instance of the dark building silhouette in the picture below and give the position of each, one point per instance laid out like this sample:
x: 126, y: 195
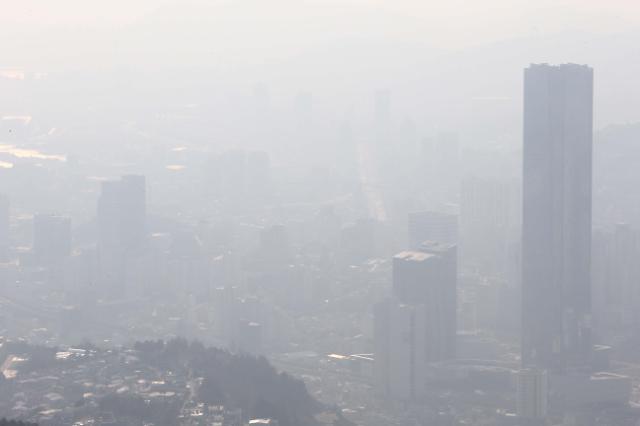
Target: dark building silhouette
x: 556, y: 251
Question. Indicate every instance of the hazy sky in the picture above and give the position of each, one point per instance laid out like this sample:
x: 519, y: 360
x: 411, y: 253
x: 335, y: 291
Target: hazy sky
x: 440, y: 23
x: 342, y: 46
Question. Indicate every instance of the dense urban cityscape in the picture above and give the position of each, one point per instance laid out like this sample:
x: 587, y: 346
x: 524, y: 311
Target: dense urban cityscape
x: 192, y: 245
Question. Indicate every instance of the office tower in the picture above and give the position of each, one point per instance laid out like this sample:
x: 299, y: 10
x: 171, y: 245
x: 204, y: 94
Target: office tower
x: 4, y: 227
x: 432, y: 226
x: 122, y: 230
x: 532, y: 395
x: 556, y: 240
x: 429, y: 277
x: 399, y: 345
x: 51, y: 239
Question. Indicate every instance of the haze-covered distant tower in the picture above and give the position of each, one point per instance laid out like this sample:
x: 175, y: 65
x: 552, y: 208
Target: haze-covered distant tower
x: 556, y: 240
x: 122, y: 212
x: 122, y: 231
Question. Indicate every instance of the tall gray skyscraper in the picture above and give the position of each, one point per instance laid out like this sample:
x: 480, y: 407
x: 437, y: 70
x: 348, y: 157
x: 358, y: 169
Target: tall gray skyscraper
x: 556, y: 233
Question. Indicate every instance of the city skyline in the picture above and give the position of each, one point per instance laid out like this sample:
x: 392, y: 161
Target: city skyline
x: 320, y: 213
